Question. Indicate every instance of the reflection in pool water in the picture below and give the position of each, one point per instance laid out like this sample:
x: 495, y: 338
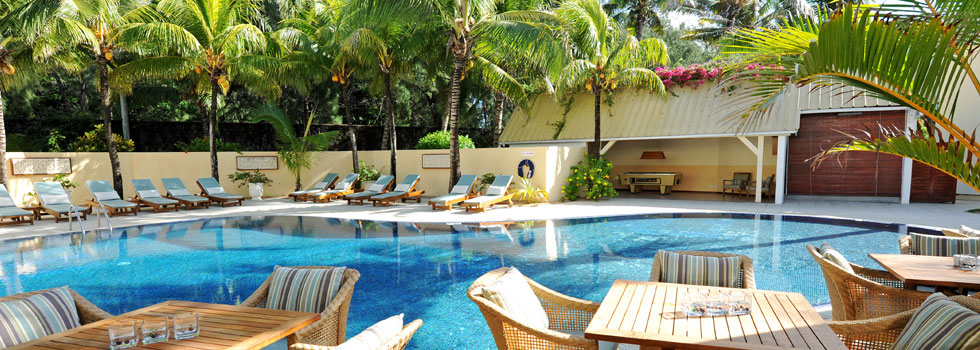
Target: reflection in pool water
x: 421, y: 270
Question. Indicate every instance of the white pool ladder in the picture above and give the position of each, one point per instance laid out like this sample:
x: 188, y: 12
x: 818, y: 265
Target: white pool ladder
x: 78, y: 216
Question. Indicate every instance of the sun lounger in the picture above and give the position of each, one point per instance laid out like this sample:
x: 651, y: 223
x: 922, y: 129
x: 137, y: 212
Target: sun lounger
x: 178, y: 192
x: 321, y: 186
x: 461, y: 192
x: 55, y: 201
x: 103, y: 193
x: 404, y: 190
x: 212, y: 189
x: 9, y: 210
x: 147, y: 194
x: 378, y: 187
x: 342, y: 188
x: 496, y: 194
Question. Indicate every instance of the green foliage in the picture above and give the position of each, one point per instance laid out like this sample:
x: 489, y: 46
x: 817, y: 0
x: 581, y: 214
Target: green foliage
x: 294, y: 151
x: 368, y: 172
x: 527, y: 192
x: 242, y: 178
x: 202, y: 145
x: 484, y: 182
x: 591, y: 177
x: 94, y: 141
x: 440, y: 140
x: 64, y: 181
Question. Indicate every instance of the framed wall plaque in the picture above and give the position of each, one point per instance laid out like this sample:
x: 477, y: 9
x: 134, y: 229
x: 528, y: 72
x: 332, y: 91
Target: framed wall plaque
x: 257, y: 162
x: 435, y: 161
x: 40, y: 166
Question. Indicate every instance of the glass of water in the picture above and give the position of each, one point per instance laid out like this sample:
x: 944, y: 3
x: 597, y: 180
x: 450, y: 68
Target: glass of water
x: 155, y: 330
x: 186, y: 325
x: 741, y: 303
x: 122, y: 335
x: 717, y: 304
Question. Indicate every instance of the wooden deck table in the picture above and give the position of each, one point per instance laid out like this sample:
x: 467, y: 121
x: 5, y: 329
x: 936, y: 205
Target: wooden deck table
x: 650, y: 314
x: 915, y: 270
x: 222, y: 327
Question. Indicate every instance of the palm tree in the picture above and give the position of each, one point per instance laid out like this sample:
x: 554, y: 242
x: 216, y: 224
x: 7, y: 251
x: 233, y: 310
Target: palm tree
x: 294, y: 151
x: 17, y: 68
x: 309, y: 32
x: 93, y: 25
x: 212, y: 43
x: 600, y: 56
x: 918, y: 56
x: 387, y: 36
x: 474, y: 24
x: 727, y: 16
x: 640, y: 15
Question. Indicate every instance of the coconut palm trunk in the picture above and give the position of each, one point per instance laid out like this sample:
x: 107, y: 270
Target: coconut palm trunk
x: 106, y: 99
x: 454, y: 92
x: 641, y: 18
x: 596, y: 143
x: 212, y: 126
x: 3, y: 144
x: 349, y: 120
x: 498, y: 117
x: 390, y: 123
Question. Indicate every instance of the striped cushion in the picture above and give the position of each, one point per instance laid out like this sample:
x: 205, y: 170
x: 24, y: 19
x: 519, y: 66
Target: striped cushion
x: 306, y: 290
x: 942, y: 246
x: 36, y: 316
x: 969, y: 231
x: 513, y: 294
x: 699, y: 270
x: 940, y: 323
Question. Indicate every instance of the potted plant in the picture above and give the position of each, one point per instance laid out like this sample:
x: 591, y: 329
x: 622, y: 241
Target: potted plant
x: 369, y: 174
x: 254, y: 179
x: 65, y: 182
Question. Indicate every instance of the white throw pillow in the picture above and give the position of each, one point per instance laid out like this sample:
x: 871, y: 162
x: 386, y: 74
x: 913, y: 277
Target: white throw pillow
x: 838, y: 259
x: 376, y: 335
x: 824, y: 247
x: 513, y: 294
x: 460, y: 189
x: 969, y: 231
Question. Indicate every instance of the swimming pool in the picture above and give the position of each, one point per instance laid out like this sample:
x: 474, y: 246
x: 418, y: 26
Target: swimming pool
x: 421, y: 270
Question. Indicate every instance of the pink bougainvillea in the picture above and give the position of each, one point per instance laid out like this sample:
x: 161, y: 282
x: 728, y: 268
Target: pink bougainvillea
x: 695, y: 75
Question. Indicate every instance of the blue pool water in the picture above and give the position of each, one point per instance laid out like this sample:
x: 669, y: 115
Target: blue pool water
x: 421, y: 270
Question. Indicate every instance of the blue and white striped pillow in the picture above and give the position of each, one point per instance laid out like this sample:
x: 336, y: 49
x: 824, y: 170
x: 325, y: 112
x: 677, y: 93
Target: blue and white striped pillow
x: 37, y: 316
x: 940, y: 323
x: 699, y: 270
x: 933, y: 245
x: 306, y: 290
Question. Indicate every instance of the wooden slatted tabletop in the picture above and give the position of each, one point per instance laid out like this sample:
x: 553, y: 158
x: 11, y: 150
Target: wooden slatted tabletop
x: 222, y: 327
x: 650, y: 314
x: 916, y: 270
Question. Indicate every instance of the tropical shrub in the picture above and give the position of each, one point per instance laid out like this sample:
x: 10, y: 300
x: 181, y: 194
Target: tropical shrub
x: 65, y: 182
x: 484, y: 182
x: 368, y: 172
x: 242, y: 178
x: 440, y: 140
x: 201, y: 145
x: 591, y: 178
x: 692, y: 76
x: 94, y: 141
x: 527, y: 192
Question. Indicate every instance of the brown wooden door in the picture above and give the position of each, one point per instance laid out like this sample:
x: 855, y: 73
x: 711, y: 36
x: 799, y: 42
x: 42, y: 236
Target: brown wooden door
x: 850, y: 173
x: 931, y: 185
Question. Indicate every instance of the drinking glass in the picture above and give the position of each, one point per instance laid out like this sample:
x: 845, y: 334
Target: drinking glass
x: 717, y: 304
x: 155, y: 330
x: 694, y: 303
x: 122, y: 335
x: 958, y: 261
x: 969, y: 262
x: 741, y: 303
x: 186, y: 325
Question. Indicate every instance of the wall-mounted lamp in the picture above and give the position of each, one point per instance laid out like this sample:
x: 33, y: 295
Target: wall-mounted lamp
x: 653, y: 155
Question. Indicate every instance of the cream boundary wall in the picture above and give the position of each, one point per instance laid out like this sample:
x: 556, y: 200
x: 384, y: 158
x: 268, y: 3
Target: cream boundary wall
x: 704, y: 162
x: 191, y: 166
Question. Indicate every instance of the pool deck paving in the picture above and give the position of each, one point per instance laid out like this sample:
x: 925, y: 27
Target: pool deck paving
x: 920, y: 214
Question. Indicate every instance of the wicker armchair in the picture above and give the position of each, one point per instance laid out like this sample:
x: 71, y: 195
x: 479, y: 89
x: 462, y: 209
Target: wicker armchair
x: 87, y: 312
x: 880, y: 333
x: 868, y: 293
x: 399, y: 342
x: 565, y: 315
x: 331, y: 328
x: 746, y: 275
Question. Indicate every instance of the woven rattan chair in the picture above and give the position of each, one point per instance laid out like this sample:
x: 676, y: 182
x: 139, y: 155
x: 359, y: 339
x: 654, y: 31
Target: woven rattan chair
x: 87, y: 312
x: 880, y: 333
x: 867, y: 293
x: 399, y: 342
x: 565, y: 315
x: 746, y: 275
x: 331, y: 329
